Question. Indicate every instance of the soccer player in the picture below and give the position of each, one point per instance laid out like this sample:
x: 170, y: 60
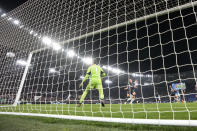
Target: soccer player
x: 95, y: 74
x: 177, y: 94
x: 196, y: 89
x: 158, y: 98
x: 172, y: 94
x: 182, y: 95
x: 131, y: 90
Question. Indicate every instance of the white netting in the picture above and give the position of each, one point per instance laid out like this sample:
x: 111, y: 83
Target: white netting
x: 146, y: 48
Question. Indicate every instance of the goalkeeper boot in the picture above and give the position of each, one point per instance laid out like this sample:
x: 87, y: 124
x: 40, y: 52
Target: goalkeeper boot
x: 102, y: 103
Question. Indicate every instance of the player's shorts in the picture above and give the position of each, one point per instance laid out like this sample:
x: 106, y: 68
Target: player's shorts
x: 172, y: 94
x: 95, y: 83
x: 177, y: 94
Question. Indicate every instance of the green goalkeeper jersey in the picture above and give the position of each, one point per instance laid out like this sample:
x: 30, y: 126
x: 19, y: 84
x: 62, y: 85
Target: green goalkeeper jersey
x: 94, y: 72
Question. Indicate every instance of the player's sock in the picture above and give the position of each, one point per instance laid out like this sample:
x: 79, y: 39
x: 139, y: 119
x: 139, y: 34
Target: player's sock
x: 102, y: 103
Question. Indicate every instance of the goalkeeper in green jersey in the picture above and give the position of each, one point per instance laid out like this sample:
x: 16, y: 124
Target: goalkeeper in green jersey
x: 95, y: 74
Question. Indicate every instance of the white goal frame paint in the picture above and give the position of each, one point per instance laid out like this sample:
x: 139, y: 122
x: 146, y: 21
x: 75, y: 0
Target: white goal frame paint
x: 23, y: 80
x: 105, y: 119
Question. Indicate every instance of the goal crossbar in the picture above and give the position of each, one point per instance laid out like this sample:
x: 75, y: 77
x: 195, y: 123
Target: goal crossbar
x: 125, y: 23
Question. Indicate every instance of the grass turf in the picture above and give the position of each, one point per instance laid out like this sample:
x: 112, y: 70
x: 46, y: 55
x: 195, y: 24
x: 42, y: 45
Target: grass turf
x: 149, y: 111
x: 28, y: 123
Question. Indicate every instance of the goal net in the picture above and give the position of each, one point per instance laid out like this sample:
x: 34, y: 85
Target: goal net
x: 146, y: 48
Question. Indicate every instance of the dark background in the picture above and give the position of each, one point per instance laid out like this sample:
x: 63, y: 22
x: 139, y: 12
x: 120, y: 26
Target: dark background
x: 8, y: 5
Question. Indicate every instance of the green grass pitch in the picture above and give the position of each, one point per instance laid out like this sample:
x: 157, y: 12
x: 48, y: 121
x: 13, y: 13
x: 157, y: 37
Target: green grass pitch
x: 28, y: 123
x: 149, y: 111
x: 143, y: 111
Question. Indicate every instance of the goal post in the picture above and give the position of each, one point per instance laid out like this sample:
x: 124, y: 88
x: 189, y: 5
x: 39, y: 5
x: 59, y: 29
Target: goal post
x: 149, y: 60
x: 23, y: 80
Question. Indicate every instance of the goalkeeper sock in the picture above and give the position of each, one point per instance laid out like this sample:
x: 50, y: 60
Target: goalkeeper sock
x: 102, y: 103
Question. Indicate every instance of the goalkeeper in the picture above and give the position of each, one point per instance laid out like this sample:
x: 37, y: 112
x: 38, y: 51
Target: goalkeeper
x: 95, y: 74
